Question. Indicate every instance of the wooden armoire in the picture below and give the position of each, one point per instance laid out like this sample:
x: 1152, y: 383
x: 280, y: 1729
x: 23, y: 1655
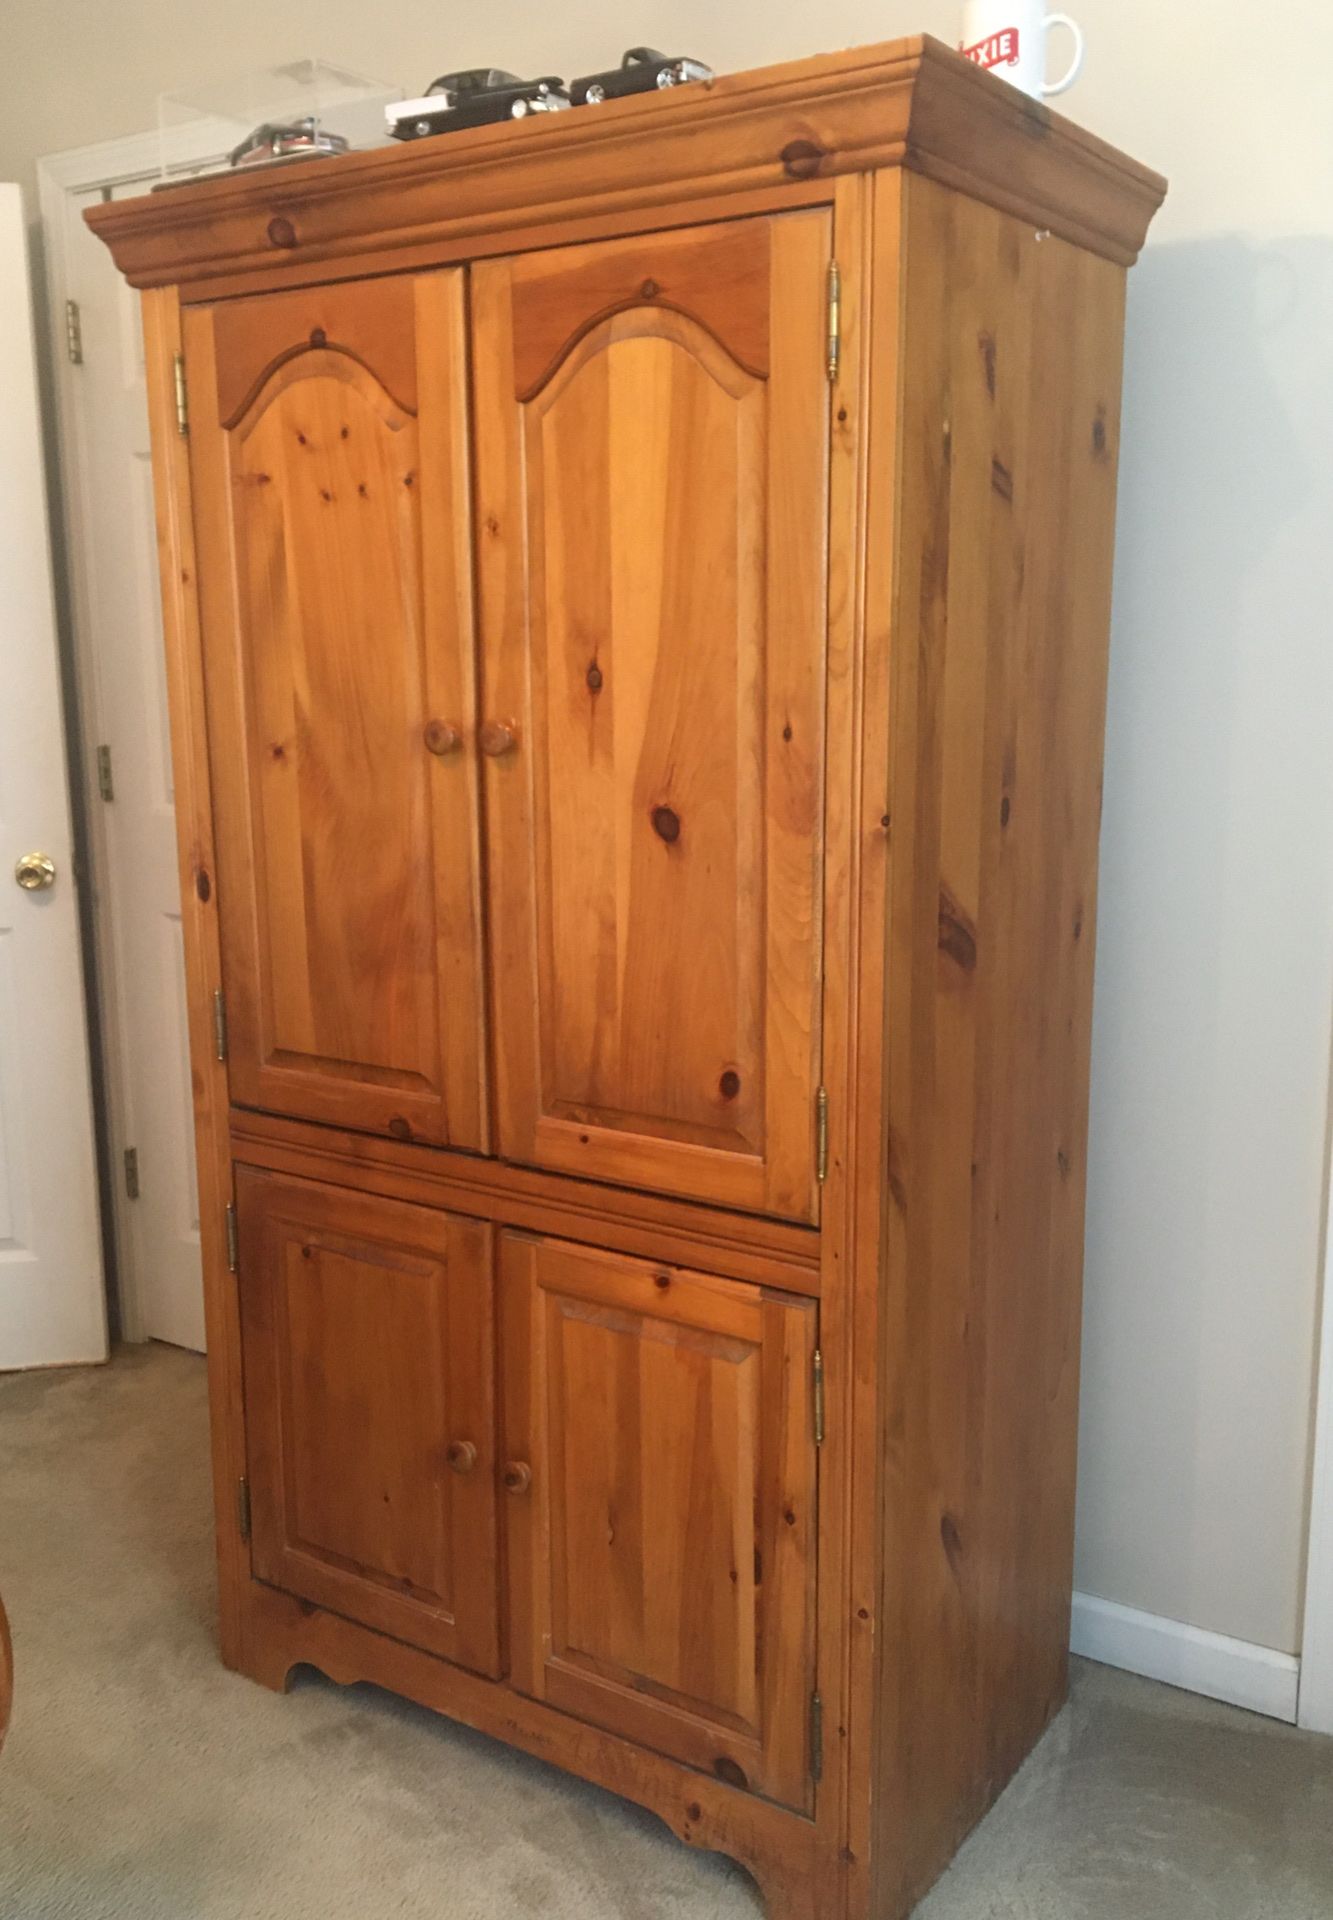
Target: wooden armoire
x: 636, y: 596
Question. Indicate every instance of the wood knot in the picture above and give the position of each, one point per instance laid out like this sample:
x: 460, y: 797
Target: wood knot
x: 957, y: 938
x: 318, y: 338
x: 594, y: 677
x: 730, y: 1084
x: 649, y: 290
x: 1099, y: 435
x: 802, y: 159
x: 281, y: 232
x: 203, y: 886
x: 986, y: 343
x: 400, y: 1129
x: 666, y: 824
x: 951, y: 1540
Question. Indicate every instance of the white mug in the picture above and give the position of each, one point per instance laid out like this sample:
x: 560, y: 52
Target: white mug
x: 1009, y: 38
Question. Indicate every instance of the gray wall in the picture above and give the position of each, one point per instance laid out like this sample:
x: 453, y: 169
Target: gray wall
x: 1215, y: 955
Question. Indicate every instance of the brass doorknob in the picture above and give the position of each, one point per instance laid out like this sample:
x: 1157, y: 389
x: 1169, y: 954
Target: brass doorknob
x: 517, y: 1476
x: 497, y: 737
x: 35, y: 871
x: 461, y: 1455
x: 441, y: 736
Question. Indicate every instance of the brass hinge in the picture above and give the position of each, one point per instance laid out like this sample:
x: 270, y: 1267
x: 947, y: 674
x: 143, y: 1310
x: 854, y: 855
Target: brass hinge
x: 233, y: 1248
x: 73, y: 333
x: 132, y: 1173
x: 816, y: 1738
x: 243, y: 1508
x: 821, y: 1134
x: 834, y: 319
x: 182, y: 397
x: 105, y: 785
x: 817, y: 1379
x: 219, y: 1024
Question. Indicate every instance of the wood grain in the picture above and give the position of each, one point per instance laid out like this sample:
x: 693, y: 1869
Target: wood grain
x: 661, y: 1562
x: 178, y: 571
x: 777, y: 1846
x: 773, y: 1253
x: 1010, y: 378
x: 348, y: 862
x: 820, y: 801
x: 652, y: 611
x: 910, y: 103
x: 369, y: 1349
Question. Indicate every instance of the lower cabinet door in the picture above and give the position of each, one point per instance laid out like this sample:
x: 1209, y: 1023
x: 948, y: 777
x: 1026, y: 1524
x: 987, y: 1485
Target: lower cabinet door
x: 660, y: 1507
x: 368, y: 1344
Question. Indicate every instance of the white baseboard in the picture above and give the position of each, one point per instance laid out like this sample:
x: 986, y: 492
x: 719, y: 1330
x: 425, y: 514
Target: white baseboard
x: 1184, y: 1656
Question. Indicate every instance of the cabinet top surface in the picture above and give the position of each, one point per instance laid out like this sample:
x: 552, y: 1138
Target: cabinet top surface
x: 745, y: 137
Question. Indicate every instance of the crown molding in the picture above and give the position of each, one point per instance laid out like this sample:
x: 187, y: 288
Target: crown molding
x: 909, y: 103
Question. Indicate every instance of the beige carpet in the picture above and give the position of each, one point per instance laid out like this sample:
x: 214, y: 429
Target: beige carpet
x: 142, y: 1780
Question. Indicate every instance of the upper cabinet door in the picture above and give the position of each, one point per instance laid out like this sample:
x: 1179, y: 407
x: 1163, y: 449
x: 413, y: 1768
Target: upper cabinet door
x: 328, y: 436
x: 652, y: 432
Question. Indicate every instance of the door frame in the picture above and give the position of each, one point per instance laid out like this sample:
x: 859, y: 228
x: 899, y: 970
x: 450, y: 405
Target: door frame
x: 60, y: 177
x: 1314, y: 1707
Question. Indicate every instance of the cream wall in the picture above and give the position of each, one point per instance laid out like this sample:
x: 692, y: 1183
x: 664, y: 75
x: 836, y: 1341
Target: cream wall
x: 1215, y: 953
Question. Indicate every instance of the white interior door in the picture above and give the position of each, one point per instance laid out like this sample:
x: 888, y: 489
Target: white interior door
x: 52, y: 1306
x: 112, y: 543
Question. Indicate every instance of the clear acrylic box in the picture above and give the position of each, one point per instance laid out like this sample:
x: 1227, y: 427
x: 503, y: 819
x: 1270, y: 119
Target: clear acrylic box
x: 221, y: 115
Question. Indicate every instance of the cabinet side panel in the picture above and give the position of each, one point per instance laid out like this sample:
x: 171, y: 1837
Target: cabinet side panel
x: 203, y: 960
x: 1010, y: 387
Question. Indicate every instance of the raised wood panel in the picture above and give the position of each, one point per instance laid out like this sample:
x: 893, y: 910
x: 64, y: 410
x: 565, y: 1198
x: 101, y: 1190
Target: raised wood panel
x: 1009, y: 374
x: 717, y: 276
x: 662, y: 1557
x: 367, y: 1335
x: 337, y: 641
x: 652, y: 574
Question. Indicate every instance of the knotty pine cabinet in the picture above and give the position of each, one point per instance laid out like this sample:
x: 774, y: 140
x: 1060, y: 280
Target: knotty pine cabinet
x: 636, y: 596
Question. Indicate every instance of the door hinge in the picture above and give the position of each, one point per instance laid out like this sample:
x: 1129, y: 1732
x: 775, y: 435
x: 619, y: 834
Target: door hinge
x: 182, y: 396
x: 132, y: 1173
x: 821, y: 1134
x: 73, y: 333
x: 219, y: 1024
x: 834, y: 319
x: 233, y: 1248
x: 816, y: 1738
x: 105, y: 785
x: 817, y: 1394
x: 243, y: 1508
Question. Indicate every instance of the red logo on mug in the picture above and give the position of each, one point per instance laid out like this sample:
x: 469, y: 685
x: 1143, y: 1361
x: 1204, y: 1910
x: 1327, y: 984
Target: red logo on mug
x: 997, y: 50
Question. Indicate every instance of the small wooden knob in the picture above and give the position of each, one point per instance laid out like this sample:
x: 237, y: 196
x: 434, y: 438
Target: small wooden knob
x: 441, y: 736
x: 497, y: 737
x: 461, y: 1455
x: 517, y: 1476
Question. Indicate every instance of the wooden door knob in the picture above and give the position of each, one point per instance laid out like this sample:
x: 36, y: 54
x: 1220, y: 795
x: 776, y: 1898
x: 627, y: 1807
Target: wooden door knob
x: 497, y: 737
x: 461, y: 1455
x: 441, y: 736
x: 517, y: 1476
